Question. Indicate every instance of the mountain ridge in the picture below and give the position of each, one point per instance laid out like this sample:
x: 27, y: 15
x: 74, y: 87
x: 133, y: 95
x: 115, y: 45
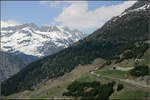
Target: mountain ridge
x: 113, y: 39
x: 29, y: 42
x: 32, y: 40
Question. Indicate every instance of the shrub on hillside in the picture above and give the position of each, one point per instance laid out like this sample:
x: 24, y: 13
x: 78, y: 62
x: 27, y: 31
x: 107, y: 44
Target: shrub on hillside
x: 139, y: 70
x: 89, y: 90
x: 120, y: 87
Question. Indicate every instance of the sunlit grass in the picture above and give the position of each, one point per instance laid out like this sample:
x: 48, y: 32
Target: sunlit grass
x: 113, y: 73
x: 130, y: 94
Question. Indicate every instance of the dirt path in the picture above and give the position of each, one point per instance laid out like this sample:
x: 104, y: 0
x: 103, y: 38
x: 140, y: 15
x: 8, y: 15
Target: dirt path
x: 124, y: 69
x: 138, y: 83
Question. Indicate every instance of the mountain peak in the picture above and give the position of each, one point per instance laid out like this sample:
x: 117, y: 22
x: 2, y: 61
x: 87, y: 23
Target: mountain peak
x: 30, y: 25
x: 139, y: 5
x: 38, y: 41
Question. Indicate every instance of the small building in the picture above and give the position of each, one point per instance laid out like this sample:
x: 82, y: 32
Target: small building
x: 138, y: 60
x: 114, y: 67
x: 91, y: 72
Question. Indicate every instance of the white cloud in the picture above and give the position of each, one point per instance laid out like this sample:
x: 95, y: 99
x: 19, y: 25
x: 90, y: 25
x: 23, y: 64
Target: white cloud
x: 9, y: 23
x: 78, y: 16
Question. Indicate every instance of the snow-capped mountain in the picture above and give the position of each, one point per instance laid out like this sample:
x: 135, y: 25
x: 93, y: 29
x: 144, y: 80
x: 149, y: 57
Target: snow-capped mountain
x: 138, y: 6
x: 37, y: 41
x: 23, y: 44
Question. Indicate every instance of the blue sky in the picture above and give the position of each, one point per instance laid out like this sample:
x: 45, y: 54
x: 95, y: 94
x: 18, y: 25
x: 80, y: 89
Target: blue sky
x: 85, y: 16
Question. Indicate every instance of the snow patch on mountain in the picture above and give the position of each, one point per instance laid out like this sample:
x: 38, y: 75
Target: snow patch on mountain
x: 144, y: 7
x: 37, y: 41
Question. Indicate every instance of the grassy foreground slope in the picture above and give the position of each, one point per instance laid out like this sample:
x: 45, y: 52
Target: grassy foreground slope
x: 54, y: 88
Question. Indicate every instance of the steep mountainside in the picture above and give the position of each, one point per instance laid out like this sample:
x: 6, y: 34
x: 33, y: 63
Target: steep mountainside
x: 141, y: 4
x: 9, y: 65
x: 29, y: 43
x: 116, y: 36
x: 125, y: 27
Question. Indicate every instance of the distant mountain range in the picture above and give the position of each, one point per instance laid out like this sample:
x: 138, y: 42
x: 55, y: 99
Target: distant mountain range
x: 29, y: 43
x: 114, y: 38
x: 37, y: 41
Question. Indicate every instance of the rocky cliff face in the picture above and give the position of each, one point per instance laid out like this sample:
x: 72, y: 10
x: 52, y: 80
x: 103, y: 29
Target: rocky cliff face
x: 9, y: 65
